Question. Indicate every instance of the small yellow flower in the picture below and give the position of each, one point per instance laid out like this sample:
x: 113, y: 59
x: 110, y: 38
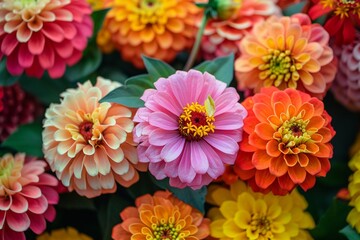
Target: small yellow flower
x: 64, y: 234
x: 242, y: 214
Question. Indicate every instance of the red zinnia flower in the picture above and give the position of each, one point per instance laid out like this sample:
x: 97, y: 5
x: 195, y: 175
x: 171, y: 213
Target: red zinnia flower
x: 286, y: 141
x: 343, y: 16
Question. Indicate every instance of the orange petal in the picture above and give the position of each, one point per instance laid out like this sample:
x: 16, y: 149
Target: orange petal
x: 164, y: 40
x: 272, y: 148
x: 147, y: 34
x: 326, y: 134
x: 245, y: 146
x: 315, y: 122
x: 264, y: 131
x: 257, y: 142
x: 295, y: 97
x: 312, y: 147
x: 279, y: 108
x: 262, y: 111
x: 325, y: 150
x: 175, y: 25
x: 291, y: 159
x: 297, y: 174
x: 264, y: 178
x: 281, y: 96
x: 314, y: 165
x: 250, y: 124
x: 278, y: 166
x: 303, y: 160
x: 306, y: 111
x: 306, y: 77
x: 261, y: 160
x: 308, y: 183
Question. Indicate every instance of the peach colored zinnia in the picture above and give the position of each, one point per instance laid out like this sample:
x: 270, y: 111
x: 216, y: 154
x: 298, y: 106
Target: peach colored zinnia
x: 286, y: 52
x: 155, y: 28
x: 222, y: 36
x: 189, y: 128
x: 286, y: 141
x: 161, y: 216
x: 43, y: 35
x: 27, y: 196
x: 89, y: 144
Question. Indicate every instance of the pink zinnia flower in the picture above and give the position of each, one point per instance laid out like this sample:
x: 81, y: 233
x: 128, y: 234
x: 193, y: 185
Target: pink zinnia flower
x: 43, y: 35
x: 346, y: 86
x: 27, y: 196
x: 89, y: 144
x: 189, y: 128
x: 222, y: 36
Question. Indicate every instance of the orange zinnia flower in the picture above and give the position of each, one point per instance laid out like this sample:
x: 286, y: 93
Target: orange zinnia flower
x: 161, y: 216
x: 286, y: 141
x: 286, y: 52
x: 155, y: 28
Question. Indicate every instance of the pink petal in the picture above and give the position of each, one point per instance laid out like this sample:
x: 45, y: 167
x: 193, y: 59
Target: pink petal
x: 160, y: 137
x: 63, y: 15
x: 11, y: 235
x: 47, y: 57
x: 163, y: 121
x: 38, y: 223
x: 5, y: 203
x: 64, y: 49
x: 69, y: 29
x: 8, y: 44
x: 19, y: 204
x: 90, y: 166
x: 53, y: 31
x: 216, y: 165
x: 48, y: 180
x: 18, y: 222
x: 12, y: 64
x: 173, y: 149
x: 50, y: 194
x: 223, y: 143
x: 36, y: 43
x: 199, y: 159
x: 31, y: 192
x: 58, y: 69
x: 26, y: 59
x: 102, y: 161
x: 38, y: 205
x: 228, y: 121
x: 50, y: 213
x: 23, y: 33
x: 185, y: 171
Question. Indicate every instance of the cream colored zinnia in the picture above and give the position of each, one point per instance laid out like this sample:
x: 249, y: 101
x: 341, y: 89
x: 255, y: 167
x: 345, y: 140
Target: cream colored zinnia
x: 89, y: 144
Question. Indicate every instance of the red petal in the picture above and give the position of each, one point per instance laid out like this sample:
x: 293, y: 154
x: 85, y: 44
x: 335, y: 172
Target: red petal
x: 314, y: 165
x: 264, y: 178
x: 297, y: 174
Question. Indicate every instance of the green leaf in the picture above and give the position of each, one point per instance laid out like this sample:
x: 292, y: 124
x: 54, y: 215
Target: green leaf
x: 294, y: 8
x: 27, y: 138
x: 126, y: 95
x: 6, y: 79
x: 157, y: 68
x: 195, y: 198
x: 98, y: 19
x: 74, y: 201
x: 109, y: 213
x: 222, y: 68
x: 142, y: 80
x: 46, y: 90
x: 332, y: 221
x: 142, y: 187
x: 88, y: 64
x: 350, y: 233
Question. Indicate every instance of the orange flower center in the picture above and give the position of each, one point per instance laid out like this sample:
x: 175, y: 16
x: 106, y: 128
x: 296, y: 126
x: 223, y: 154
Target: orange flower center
x: 261, y: 226
x: 85, y: 130
x: 165, y: 232
x: 195, y: 122
x: 343, y: 7
x: 279, y: 67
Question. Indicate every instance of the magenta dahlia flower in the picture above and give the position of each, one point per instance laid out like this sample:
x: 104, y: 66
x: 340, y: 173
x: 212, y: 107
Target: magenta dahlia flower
x: 189, y: 128
x: 27, y: 196
x: 39, y: 35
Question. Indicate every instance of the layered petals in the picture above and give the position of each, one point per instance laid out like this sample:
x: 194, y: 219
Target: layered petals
x: 27, y: 196
x: 43, y: 35
x: 286, y: 52
x: 161, y: 216
x: 240, y: 213
x: 287, y: 145
x: 189, y: 128
x: 158, y: 29
x: 89, y: 144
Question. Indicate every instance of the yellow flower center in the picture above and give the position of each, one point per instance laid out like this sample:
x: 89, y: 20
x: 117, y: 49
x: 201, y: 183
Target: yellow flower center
x: 36, y: 5
x: 293, y: 132
x: 279, y: 67
x: 6, y: 166
x: 10, y: 172
x: 261, y: 226
x: 165, y: 232
x: 343, y: 7
x: 196, y: 122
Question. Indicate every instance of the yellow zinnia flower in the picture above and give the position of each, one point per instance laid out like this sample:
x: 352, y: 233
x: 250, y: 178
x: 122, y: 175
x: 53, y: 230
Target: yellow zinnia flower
x: 242, y: 214
x: 354, y: 189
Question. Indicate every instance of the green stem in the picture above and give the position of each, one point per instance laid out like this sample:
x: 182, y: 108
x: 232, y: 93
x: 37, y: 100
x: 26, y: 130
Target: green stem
x: 196, y: 46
